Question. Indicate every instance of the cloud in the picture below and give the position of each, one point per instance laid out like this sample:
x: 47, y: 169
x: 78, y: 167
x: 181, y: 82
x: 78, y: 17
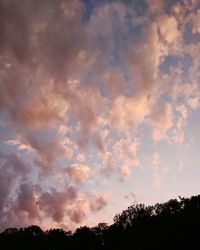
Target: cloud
x: 194, y: 102
x: 98, y: 202
x: 162, y: 117
x: 128, y: 112
x: 182, y: 109
x: 5, y: 187
x: 133, y: 198
x: 108, y: 163
x: 27, y: 201
x: 125, y: 149
x: 13, y: 170
x: 125, y: 154
x: 79, y: 173
x: 144, y: 60
x: 48, y: 150
x: 178, y: 136
x: 32, y: 205
x: 91, y: 203
x: 196, y: 21
x: 20, y: 143
x: 77, y: 214
x: 85, y: 109
x: 81, y: 158
x: 156, y: 5
x: 54, y: 203
x: 79, y: 85
x: 125, y: 171
x: 162, y: 121
x: 12, y: 164
x: 168, y: 28
x: 121, y: 159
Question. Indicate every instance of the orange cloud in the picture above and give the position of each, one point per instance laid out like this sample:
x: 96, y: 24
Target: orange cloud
x: 168, y: 27
x: 81, y: 158
x: 129, y: 111
x: 156, y: 5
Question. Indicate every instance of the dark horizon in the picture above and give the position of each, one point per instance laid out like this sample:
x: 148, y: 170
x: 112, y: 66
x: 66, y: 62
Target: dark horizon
x: 171, y: 225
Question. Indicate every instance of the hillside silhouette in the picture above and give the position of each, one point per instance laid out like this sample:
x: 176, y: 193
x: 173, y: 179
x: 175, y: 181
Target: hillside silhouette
x: 171, y: 225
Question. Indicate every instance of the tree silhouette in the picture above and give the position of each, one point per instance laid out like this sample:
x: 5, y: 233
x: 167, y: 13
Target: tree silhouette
x: 58, y: 238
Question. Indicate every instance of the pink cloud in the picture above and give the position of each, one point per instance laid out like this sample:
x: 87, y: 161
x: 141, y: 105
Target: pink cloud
x: 79, y: 173
x: 121, y: 160
x: 162, y: 121
x: 168, y: 27
x: 108, y: 163
x: 54, y: 203
x: 81, y: 158
x: 182, y: 109
x: 178, y: 136
x: 20, y: 143
x: 194, y: 102
x: 144, y: 60
x: 27, y: 201
x: 71, y: 82
x: 125, y: 171
x: 127, y: 112
x: 98, y: 202
x: 78, y: 213
x: 156, y: 5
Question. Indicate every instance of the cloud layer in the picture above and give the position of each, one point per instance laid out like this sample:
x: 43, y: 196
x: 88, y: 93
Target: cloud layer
x: 80, y: 87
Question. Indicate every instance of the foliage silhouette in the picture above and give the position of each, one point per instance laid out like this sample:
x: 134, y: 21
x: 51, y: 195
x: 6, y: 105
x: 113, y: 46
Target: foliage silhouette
x: 171, y: 225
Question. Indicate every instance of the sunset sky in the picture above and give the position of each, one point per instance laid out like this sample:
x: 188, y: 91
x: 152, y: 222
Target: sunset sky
x: 99, y: 108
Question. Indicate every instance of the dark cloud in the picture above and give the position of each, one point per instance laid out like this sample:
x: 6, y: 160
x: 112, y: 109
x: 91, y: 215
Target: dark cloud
x: 97, y: 203
x: 54, y: 203
x: 12, y: 170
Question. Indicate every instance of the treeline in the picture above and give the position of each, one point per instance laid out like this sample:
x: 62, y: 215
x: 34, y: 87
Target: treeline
x: 171, y: 225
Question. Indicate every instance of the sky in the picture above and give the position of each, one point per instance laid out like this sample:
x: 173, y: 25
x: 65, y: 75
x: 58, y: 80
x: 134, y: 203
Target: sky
x: 99, y: 108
